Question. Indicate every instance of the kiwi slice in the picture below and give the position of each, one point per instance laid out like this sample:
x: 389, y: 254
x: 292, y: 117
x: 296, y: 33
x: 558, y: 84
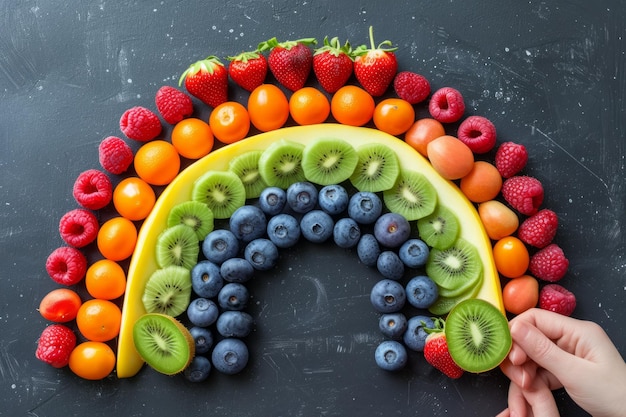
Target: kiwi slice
x: 412, y: 196
x: 193, y: 214
x: 478, y: 335
x: 246, y: 166
x: 222, y: 191
x: 177, y: 245
x: 168, y: 291
x: 280, y: 164
x: 328, y: 161
x: 468, y: 289
x: 440, y: 228
x: 455, y: 266
x: 163, y: 343
x: 377, y: 168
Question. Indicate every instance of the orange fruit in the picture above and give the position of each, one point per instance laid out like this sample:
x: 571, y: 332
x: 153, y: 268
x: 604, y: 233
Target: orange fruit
x: 229, y: 122
x: 450, y: 157
x: 422, y: 132
x: 520, y: 294
x: 105, y: 279
x: 499, y: 220
x: 394, y: 116
x: 268, y: 107
x: 133, y: 198
x: 117, y: 238
x: 60, y: 305
x: 511, y: 257
x: 483, y: 183
x: 92, y: 360
x: 352, y: 105
x: 99, y: 320
x: 192, y: 138
x: 157, y: 162
x: 309, y: 106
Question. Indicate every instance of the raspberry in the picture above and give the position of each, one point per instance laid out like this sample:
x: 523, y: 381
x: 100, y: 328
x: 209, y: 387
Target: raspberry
x: 93, y: 189
x: 411, y: 87
x: 539, y: 229
x: 554, y: 297
x: 511, y: 158
x: 173, y: 104
x: 549, y: 264
x: 140, y: 124
x: 478, y: 133
x: 115, y: 155
x: 66, y: 265
x: 78, y: 227
x: 523, y: 193
x: 55, y: 345
x: 446, y: 105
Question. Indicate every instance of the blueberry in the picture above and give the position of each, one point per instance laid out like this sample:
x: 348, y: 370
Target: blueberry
x: 202, y: 312
x: 219, y: 245
x: 414, y: 253
x: 391, y: 355
x: 421, y: 291
x: 333, y: 199
x: 284, y: 230
x: 389, y: 265
x: 198, y: 370
x: 302, y: 196
x: 272, y: 200
x: 317, y: 226
x: 365, y: 207
x: 346, y: 233
x: 203, y: 338
x: 415, y: 336
x: 230, y: 356
x: 392, y: 325
x: 248, y: 223
x: 262, y: 254
x: 236, y: 270
x: 206, y: 280
x: 234, y: 324
x: 392, y: 230
x: 368, y: 250
x: 233, y: 296
x: 388, y: 296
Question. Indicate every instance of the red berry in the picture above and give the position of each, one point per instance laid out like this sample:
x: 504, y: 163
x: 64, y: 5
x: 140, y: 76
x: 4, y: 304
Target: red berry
x: 437, y: 354
x: 539, y: 229
x: 248, y: 70
x: 93, y: 189
x: 78, y: 227
x: 207, y: 80
x: 115, y: 155
x: 140, y: 124
x: 290, y: 62
x: 554, y: 297
x: 55, y: 345
x: 549, y: 263
x: 446, y: 105
x: 66, y: 265
x: 333, y: 65
x: 523, y: 193
x: 173, y: 104
x: 511, y: 158
x: 376, y: 67
x: 478, y: 133
x: 411, y: 87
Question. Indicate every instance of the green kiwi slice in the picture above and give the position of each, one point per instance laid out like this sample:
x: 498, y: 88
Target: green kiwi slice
x: 412, y: 196
x: 478, y: 335
x: 246, y: 166
x: 377, y: 168
x: 222, y: 191
x: 177, y: 245
x: 280, y: 164
x: 328, y: 161
x: 163, y: 343
x: 440, y: 228
x: 453, y: 267
x: 168, y: 291
x: 193, y: 214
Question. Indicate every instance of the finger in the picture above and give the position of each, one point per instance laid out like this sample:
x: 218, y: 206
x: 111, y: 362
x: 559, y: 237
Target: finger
x: 504, y: 413
x: 518, y: 406
x: 517, y: 355
x: 540, y: 399
x: 554, y: 326
x: 521, y: 375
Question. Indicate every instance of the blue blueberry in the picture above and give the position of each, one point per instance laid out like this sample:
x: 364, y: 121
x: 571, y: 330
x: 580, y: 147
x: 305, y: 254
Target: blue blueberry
x: 368, y: 250
x: 233, y: 296
x: 391, y: 355
x: 333, y: 199
x: 393, y: 325
x: 234, y: 324
x: 415, y: 336
x: 346, y: 233
x: 248, y: 223
x: 230, y: 356
x: 284, y: 230
x: 206, y: 280
x: 236, y: 270
x: 414, y: 253
x: 219, y: 245
x: 421, y: 291
x: 203, y: 339
x: 262, y: 254
x: 302, y: 196
x: 365, y: 207
x: 198, y: 370
x: 389, y: 265
x: 202, y: 312
x: 272, y: 200
x: 388, y: 296
x: 392, y: 230
x: 317, y: 226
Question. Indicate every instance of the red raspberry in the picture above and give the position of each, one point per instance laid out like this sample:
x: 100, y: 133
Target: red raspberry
x: 446, y: 105
x: 173, y: 104
x: 140, y: 124
x: 524, y: 194
x: 411, y: 87
x: 78, y: 227
x: 511, y: 158
x: 115, y: 155
x: 549, y: 264
x: 66, y: 265
x: 539, y: 229
x: 93, y: 189
x: 478, y: 133
x: 55, y: 345
x: 554, y: 297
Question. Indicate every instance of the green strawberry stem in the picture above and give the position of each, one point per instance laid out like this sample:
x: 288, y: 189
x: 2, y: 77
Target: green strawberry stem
x: 273, y: 43
x: 438, y: 326
x: 362, y: 50
x: 244, y: 56
x: 335, y: 48
x: 208, y: 64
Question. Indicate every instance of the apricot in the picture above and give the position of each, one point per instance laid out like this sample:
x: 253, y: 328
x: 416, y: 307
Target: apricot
x: 483, y: 183
x: 422, y: 132
x: 450, y: 157
x: 499, y: 220
x: 520, y: 294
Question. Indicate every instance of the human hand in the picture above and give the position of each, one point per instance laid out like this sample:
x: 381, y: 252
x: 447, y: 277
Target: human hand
x: 551, y: 351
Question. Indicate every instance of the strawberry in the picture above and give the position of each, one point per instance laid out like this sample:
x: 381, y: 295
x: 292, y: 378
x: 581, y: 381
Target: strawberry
x: 207, y: 80
x: 333, y: 64
x: 248, y: 69
x: 539, y: 229
x: 436, y: 351
x: 375, y: 68
x: 290, y: 62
